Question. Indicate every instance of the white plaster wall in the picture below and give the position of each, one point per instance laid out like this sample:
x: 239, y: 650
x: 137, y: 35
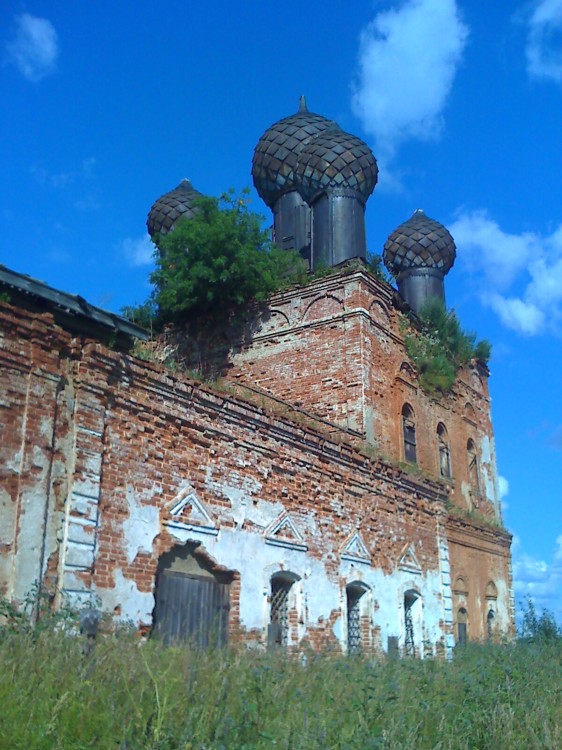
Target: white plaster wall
x: 7, y: 528
x: 316, y: 595
x: 126, y: 602
x: 387, y: 592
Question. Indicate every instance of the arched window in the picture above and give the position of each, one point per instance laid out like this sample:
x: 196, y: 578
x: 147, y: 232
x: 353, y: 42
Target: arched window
x: 444, y: 451
x: 278, y: 632
x: 412, y: 607
x: 473, y: 470
x: 353, y: 594
x: 462, y: 626
x: 409, y: 433
x: 490, y: 624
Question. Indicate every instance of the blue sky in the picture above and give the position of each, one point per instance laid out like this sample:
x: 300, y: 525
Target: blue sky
x: 108, y: 105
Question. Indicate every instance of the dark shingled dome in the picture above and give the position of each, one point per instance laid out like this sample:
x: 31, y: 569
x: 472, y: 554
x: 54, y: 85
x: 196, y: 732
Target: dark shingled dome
x: 419, y: 242
x: 172, y: 206
x: 277, y: 151
x: 336, y: 159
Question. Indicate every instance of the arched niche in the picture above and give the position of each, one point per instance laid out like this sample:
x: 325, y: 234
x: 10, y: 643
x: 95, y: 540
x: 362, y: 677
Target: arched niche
x: 273, y: 321
x: 323, y: 307
x: 460, y: 586
x: 379, y: 313
x: 491, y: 591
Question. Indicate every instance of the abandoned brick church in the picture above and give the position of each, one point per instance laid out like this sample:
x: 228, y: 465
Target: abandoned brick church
x: 320, y: 497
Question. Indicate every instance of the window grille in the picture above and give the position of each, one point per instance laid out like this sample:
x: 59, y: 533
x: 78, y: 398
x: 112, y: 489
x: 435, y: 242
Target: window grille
x: 353, y: 621
x: 409, y: 644
x: 280, y: 609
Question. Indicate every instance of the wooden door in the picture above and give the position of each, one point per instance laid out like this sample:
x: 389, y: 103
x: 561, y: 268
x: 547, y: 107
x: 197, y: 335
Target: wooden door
x: 191, y: 609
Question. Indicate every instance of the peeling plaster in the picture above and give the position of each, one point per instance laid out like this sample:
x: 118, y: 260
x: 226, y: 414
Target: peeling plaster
x: 46, y: 429
x: 320, y: 594
x: 126, y: 602
x: 141, y: 527
x: 13, y: 464
x: 262, y: 513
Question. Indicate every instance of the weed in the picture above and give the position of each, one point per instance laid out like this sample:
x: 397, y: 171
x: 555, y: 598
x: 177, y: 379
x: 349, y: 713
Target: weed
x: 147, y: 697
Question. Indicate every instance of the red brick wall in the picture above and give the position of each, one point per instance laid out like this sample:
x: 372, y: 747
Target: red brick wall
x: 336, y: 348
x: 96, y: 445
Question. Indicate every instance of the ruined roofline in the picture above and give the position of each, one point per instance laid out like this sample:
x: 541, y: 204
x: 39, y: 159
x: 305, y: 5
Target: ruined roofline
x: 73, y: 307
x: 346, y: 271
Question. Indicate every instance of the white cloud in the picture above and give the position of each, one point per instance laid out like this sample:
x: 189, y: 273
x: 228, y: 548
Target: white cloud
x: 520, y: 274
x: 138, y: 251
x: 503, y: 486
x: 538, y: 579
x: 34, y: 48
x: 518, y: 315
x: 45, y: 178
x: 486, y: 247
x: 544, y: 50
x: 408, y: 58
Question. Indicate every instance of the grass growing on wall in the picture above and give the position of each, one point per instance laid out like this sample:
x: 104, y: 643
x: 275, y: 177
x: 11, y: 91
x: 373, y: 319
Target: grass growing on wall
x: 438, y: 346
x: 133, y: 696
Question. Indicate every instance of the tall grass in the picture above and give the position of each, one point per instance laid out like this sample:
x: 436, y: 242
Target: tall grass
x: 133, y: 696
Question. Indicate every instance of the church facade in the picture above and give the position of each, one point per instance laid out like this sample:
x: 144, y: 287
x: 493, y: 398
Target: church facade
x: 318, y: 498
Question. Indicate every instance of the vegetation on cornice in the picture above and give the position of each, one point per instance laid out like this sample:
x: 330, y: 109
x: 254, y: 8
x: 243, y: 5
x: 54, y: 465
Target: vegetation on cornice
x: 475, y: 516
x: 438, y: 346
x: 213, y: 268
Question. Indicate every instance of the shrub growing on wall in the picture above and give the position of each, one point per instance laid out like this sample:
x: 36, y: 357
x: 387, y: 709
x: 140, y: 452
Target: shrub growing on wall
x: 211, y: 266
x: 438, y: 346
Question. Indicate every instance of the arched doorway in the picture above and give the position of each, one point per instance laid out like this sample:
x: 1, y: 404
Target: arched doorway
x: 192, y: 598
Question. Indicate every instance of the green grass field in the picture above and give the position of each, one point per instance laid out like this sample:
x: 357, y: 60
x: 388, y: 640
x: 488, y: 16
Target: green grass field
x: 134, y: 695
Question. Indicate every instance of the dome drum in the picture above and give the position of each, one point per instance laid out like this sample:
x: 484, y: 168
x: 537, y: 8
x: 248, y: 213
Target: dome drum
x: 418, y: 285
x: 292, y: 224
x: 338, y: 228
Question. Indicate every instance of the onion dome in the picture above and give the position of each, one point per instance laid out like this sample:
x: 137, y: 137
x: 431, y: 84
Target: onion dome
x: 419, y: 242
x: 277, y: 151
x: 172, y: 206
x: 333, y: 160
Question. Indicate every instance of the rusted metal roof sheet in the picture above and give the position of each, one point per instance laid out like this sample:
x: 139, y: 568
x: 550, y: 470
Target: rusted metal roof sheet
x: 71, y: 304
